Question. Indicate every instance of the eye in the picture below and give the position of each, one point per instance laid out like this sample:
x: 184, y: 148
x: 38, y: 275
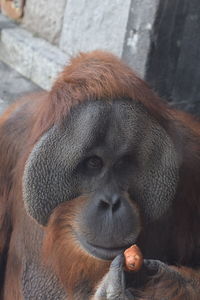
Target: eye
x: 94, y: 163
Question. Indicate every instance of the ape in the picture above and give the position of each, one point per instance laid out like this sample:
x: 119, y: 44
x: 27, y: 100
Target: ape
x: 95, y: 165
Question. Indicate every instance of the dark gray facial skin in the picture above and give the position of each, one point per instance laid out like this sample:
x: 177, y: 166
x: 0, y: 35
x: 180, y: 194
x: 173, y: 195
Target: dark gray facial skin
x: 117, y: 155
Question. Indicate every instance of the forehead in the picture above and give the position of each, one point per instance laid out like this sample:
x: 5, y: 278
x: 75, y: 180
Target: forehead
x: 117, y: 110
x: 120, y: 122
x: 101, y: 115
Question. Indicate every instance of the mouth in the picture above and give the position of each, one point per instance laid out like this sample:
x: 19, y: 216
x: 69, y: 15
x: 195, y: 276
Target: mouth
x: 103, y: 253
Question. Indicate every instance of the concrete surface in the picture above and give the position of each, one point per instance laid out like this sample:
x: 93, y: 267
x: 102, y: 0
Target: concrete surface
x: 12, y: 86
x: 5, y: 22
x: 31, y: 56
x: 45, y: 18
x: 95, y: 24
x: 137, y: 43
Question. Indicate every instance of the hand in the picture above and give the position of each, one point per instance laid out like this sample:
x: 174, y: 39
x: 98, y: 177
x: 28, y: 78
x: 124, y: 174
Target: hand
x: 113, y: 286
x: 154, y: 280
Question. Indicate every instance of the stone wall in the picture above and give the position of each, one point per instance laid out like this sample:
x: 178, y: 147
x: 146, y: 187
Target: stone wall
x: 45, y: 18
x: 95, y: 24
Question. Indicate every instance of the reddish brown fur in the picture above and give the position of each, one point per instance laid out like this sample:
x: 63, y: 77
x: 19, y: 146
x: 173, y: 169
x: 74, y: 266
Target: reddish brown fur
x: 91, y: 76
x: 63, y: 252
x: 162, y: 285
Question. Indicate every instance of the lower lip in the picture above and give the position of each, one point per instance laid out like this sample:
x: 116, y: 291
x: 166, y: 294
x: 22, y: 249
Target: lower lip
x: 102, y: 253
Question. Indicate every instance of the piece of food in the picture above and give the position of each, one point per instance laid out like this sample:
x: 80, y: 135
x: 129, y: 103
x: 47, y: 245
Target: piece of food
x: 133, y: 258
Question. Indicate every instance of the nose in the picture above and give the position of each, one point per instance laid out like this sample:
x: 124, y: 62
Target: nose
x: 111, y: 202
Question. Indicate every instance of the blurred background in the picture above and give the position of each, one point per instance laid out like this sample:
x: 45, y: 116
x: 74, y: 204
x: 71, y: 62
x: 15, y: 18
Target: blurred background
x: 159, y: 39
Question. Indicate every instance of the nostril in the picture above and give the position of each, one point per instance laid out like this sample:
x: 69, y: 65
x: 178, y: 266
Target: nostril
x: 104, y: 204
x: 115, y: 203
x: 110, y: 203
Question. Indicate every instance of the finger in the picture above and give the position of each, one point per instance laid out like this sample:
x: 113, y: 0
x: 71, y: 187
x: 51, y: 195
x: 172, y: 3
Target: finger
x: 116, y: 277
x: 117, y: 263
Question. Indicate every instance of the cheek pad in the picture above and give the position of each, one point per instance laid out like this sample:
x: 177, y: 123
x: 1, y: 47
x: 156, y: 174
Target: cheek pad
x: 49, y: 176
x: 155, y: 183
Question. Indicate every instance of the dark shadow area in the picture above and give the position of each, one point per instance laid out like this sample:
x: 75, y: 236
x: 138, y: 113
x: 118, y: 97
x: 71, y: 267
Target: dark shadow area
x: 173, y: 67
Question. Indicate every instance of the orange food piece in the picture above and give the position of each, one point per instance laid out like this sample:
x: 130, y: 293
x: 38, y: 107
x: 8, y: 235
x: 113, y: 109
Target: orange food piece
x: 133, y: 258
